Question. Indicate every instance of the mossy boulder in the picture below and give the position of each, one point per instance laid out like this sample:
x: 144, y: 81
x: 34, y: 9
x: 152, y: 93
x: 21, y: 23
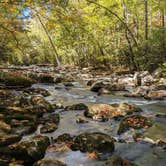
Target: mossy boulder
x: 64, y: 138
x: 93, y: 142
x: 16, y: 80
x: 135, y: 122
x: 28, y: 151
x: 45, y: 78
x: 9, y: 139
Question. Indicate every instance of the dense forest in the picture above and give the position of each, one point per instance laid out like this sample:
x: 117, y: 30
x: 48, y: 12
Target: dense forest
x: 103, y: 33
x: 82, y: 82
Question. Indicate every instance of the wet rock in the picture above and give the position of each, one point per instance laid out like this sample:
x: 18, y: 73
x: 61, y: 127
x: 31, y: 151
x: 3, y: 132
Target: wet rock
x: 161, y: 144
x: 90, y: 82
x: 93, y: 142
x: 107, y: 86
x: 156, y: 95
x: 37, y: 91
x: 127, y: 81
x: 116, y: 160
x: 103, y: 112
x: 49, y: 162
x: 9, y: 139
x: 7, y: 98
x: 159, y: 87
x: 61, y: 79
x: 46, y: 78
x: 64, y: 138
x: 52, y: 118
x: 126, y: 108
x: 5, y: 127
x: 48, y: 128
x: 79, y: 106
x: 103, y: 91
x: 14, y: 80
x: 135, y: 122
x: 100, y: 111
x: 97, y: 86
x: 40, y: 103
x: 140, y: 91
x: 28, y: 151
x: 68, y: 84
x: 147, y: 80
x: 5, y: 160
x: 161, y: 115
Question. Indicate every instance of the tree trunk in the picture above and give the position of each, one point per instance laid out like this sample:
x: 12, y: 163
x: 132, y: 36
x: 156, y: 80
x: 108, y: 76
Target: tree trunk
x: 146, y: 19
x: 50, y: 39
x: 132, y: 59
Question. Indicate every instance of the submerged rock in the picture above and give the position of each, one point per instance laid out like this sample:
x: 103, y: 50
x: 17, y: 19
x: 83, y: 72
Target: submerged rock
x: 49, y: 162
x: 93, y: 142
x: 135, y: 122
x: 116, y: 160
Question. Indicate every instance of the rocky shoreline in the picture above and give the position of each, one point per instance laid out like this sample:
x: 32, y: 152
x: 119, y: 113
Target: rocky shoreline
x: 23, y: 108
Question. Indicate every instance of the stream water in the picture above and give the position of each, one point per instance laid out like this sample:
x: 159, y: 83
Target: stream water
x: 140, y: 153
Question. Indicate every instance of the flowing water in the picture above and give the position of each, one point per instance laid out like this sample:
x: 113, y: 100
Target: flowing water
x: 141, y: 153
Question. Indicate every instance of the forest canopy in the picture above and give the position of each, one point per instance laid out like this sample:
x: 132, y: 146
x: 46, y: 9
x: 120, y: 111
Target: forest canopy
x: 98, y: 33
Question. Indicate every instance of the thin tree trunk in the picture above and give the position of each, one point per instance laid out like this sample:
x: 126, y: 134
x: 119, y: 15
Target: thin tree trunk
x: 50, y: 39
x: 128, y: 39
x: 146, y: 19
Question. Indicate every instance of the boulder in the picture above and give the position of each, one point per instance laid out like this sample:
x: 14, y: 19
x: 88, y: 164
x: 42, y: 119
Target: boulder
x: 104, y: 112
x: 135, y: 122
x: 97, y: 86
x: 64, y: 138
x: 28, y: 151
x: 45, y: 78
x: 93, y: 142
x: 14, y: 80
x: 9, y: 139
x: 107, y: 86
